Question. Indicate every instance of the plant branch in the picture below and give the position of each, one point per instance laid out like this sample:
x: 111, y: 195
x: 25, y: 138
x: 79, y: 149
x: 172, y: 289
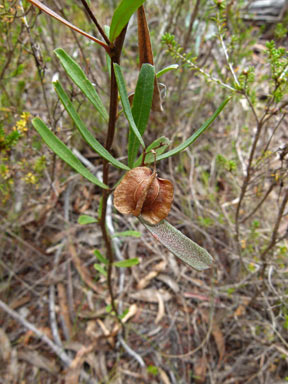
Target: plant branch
x: 191, y: 23
x: 49, y: 12
x: 113, y: 108
x: 93, y: 18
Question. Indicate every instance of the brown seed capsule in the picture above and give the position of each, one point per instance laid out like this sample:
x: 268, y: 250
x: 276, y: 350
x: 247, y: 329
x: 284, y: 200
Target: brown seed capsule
x: 141, y: 192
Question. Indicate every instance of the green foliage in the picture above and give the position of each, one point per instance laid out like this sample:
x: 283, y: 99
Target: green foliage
x: 153, y: 370
x: 142, y: 103
x: 280, y: 31
x: 125, y: 103
x: 100, y: 269
x: 228, y: 165
x: 126, y: 263
x: 88, y: 137
x: 194, y: 137
x: 64, y: 152
x: 127, y: 234
x: 79, y: 78
x: 122, y: 15
x: 100, y: 257
x: 85, y: 219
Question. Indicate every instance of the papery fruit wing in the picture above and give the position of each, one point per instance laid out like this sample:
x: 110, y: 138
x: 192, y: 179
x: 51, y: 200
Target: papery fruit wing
x: 180, y: 245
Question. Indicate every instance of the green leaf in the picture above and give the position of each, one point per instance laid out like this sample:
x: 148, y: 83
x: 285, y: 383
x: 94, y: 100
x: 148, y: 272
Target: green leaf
x: 126, y: 263
x: 64, y: 152
x: 100, y: 257
x: 85, y: 219
x: 142, y: 103
x: 122, y: 15
x: 79, y: 78
x: 195, y: 136
x: 127, y: 234
x: 86, y: 134
x: 180, y: 245
x: 159, y: 145
x: 167, y: 69
x: 100, y: 269
x: 125, y: 102
x: 108, y: 58
x: 124, y: 313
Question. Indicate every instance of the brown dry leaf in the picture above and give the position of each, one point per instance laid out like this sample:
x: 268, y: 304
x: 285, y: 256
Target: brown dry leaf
x: 72, y: 376
x: 36, y: 359
x: 217, y: 334
x: 19, y: 302
x: 169, y: 281
x: 146, y: 280
x: 161, y: 308
x: 131, y: 312
x: 83, y: 271
x: 200, y: 370
x: 5, y: 346
x: 64, y: 311
x: 27, y: 336
x: 151, y: 275
x: 163, y: 376
x: 107, y: 332
x: 240, y: 311
x: 150, y: 295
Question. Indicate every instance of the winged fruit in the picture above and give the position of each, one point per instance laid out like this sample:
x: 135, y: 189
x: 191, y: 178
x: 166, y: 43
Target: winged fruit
x: 141, y: 192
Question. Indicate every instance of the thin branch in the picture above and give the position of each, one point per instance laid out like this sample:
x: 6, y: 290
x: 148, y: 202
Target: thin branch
x: 275, y: 230
x: 191, y: 23
x: 54, y: 347
x: 49, y: 12
x: 115, y: 58
x: 259, y: 204
x: 93, y: 18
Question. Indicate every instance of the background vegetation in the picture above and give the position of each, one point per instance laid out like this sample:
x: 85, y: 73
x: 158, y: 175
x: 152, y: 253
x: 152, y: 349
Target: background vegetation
x: 225, y: 325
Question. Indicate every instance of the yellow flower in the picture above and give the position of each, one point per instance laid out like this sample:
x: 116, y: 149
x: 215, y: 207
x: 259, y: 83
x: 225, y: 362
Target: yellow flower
x: 30, y: 178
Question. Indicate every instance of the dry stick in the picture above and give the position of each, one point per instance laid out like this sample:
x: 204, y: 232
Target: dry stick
x: 115, y: 58
x: 191, y: 23
x: 55, y: 348
x: 274, y: 131
x: 260, y: 203
x: 274, y: 233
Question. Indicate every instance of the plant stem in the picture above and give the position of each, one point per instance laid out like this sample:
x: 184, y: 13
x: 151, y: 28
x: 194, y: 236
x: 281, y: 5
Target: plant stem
x: 115, y: 58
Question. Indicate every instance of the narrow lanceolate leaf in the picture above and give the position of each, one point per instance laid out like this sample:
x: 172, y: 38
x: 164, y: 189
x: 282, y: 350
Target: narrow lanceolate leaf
x: 64, y: 152
x: 125, y: 102
x: 126, y: 263
x: 159, y: 145
x: 100, y: 257
x: 180, y: 245
x: 86, y: 134
x: 195, y: 135
x: 146, y: 54
x: 142, y: 103
x: 127, y: 234
x: 85, y: 219
x: 100, y: 269
x: 108, y: 58
x: 80, y: 79
x: 167, y: 69
x: 122, y: 15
